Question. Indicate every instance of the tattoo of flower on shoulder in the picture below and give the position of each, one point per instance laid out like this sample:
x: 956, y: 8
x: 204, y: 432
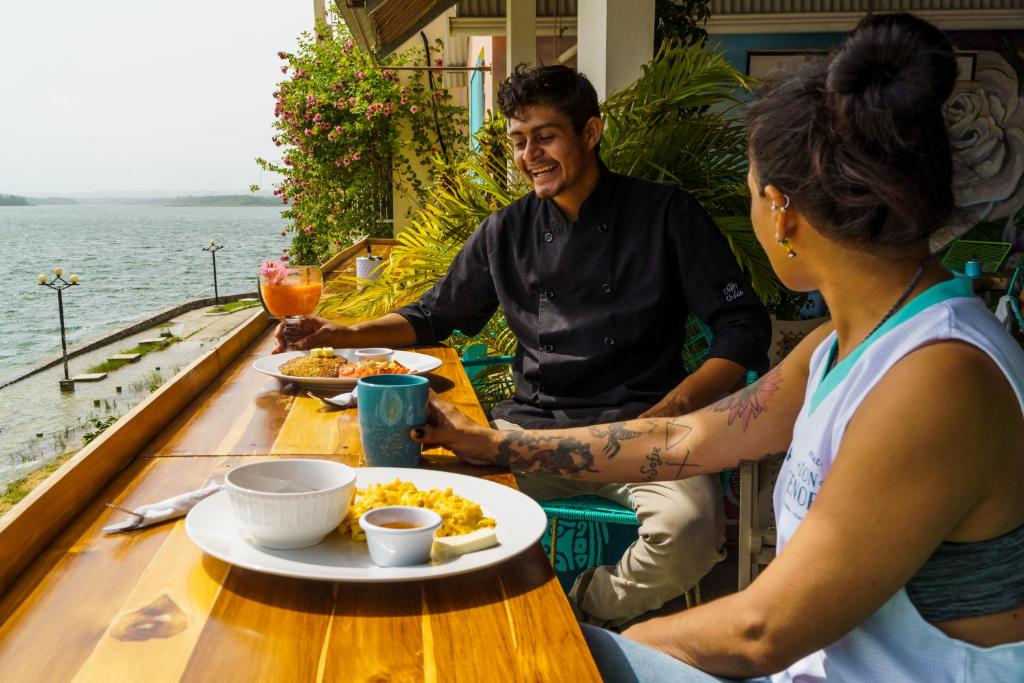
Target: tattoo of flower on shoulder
x: 553, y: 454
x: 618, y: 432
x: 750, y: 402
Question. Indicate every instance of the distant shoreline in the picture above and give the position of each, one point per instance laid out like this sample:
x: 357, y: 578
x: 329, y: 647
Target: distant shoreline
x: 225, y: 200
x: 217, y: 200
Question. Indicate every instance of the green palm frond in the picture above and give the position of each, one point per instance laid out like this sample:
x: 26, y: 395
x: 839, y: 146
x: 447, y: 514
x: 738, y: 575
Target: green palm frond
x: 493, y: 385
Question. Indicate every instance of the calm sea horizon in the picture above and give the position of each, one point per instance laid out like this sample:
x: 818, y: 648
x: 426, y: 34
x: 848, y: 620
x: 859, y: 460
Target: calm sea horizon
x: 131, y: 260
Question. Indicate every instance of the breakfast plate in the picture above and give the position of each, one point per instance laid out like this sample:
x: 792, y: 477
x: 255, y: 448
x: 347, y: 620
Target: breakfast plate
x: 520, y: 522
x: 418, y: 364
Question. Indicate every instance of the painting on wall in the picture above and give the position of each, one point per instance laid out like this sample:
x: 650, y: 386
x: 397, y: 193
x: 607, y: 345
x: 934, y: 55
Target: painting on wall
x: 986, y: 125
x: 763, y: 64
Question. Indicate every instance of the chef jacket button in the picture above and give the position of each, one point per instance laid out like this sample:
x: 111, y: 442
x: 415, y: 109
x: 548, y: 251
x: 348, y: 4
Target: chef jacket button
x: 603, y: 227
x: 549, y: 348
x: 609, y: 341
x: 606, y: 288
x: 549, y: 237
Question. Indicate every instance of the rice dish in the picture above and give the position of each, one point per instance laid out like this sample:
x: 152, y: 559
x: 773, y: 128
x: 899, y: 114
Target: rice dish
x: 307, y: 366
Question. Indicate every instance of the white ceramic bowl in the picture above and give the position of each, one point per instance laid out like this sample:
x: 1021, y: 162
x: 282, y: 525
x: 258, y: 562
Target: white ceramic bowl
x: 377, y: 353
x: 289, y: 503
x: 400, y: 547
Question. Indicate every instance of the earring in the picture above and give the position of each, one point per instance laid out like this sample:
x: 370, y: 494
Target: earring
x: 789, y: 249
x: 784, y: 206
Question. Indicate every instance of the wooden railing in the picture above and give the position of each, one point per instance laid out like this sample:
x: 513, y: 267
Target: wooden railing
x: 31, y: 524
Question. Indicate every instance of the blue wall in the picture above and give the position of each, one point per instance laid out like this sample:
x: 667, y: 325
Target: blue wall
x: 735, y: 46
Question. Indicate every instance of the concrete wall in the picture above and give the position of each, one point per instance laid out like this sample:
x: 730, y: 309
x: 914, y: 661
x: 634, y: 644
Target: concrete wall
x: 140, y: 325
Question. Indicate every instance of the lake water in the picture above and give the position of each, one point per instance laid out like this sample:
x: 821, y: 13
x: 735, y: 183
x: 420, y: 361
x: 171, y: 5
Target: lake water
x: 131, y: 260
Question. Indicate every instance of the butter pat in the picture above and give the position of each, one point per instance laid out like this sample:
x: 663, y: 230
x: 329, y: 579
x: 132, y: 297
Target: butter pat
x: 322, y: 352
x: 450, y: 547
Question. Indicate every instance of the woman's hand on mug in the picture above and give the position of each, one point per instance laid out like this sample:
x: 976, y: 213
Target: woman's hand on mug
x: 448, y: 427
x: 308, y: 333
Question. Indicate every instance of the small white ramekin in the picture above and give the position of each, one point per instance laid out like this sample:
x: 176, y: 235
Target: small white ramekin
x: 400, y: 547
x: 377, y: 353
x: 289, y: 503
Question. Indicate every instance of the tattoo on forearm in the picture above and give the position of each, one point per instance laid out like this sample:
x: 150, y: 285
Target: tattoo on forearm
x: 618, y: 432
x: 675, y: 433
x: 751, y: 402
x: 554, y: 454
x: 656, y: 461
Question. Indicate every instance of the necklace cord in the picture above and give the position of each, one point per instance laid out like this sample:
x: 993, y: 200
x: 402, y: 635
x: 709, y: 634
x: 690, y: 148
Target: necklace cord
x: 895, y: 307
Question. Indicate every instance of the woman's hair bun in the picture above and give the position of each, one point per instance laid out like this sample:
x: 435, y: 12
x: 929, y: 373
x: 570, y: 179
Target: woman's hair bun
x: 859, y: 142
x: 894, y: 57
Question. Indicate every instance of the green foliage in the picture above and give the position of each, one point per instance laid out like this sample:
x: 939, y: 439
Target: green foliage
x: 681, y: 21
x: 99, y: 425
x: 141, y: 349
x: 352, y: 131
x: 468, y: 191
x: 231, y: 306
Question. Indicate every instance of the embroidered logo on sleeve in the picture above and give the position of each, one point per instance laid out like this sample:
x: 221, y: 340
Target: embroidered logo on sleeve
x: 732, y: 291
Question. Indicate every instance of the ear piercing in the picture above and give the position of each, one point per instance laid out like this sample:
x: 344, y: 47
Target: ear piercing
x: 784, y: 243
x: 783, y: 207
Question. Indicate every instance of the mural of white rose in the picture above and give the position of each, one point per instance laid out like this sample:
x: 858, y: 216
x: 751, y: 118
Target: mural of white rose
x: 986, y: 128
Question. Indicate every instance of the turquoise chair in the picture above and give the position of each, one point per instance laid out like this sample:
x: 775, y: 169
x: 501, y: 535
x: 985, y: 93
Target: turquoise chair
x: 1011, y: 316
x: 475, y: 361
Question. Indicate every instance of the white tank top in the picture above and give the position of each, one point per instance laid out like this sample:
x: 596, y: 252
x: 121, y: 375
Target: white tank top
x: 895, y: 643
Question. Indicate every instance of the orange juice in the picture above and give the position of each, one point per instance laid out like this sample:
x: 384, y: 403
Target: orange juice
x: 291, y: 300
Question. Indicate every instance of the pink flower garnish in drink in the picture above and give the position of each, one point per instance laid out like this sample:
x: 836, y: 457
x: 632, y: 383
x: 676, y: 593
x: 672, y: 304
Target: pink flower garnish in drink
x: 274, y: 272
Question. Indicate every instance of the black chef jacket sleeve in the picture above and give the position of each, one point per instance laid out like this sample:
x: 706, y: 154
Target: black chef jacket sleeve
x: 464, y: 299
x: 716, y: 289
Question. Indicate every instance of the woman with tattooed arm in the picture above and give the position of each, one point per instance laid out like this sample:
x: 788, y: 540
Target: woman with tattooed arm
x: 898, y: 508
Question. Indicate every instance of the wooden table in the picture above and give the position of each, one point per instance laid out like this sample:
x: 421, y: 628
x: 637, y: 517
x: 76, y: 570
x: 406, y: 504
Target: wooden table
x: 150, y: 606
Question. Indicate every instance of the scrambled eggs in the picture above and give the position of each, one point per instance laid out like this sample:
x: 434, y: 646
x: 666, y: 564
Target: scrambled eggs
x: 459, y: 515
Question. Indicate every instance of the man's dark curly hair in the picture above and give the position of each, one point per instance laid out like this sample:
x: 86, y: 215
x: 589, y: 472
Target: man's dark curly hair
x: 555, y: 86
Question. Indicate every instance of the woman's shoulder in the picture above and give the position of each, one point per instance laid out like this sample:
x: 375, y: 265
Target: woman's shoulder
x: 953, y: 391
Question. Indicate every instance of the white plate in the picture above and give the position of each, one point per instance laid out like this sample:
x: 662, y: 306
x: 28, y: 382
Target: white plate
x: 520, y: 524
x: 418, y: 363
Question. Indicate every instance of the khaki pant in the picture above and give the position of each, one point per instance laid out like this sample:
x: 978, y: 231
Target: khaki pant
x: 682, y: 530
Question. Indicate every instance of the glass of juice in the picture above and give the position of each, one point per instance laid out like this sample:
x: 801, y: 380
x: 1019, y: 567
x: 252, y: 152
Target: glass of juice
x: 289, y: 293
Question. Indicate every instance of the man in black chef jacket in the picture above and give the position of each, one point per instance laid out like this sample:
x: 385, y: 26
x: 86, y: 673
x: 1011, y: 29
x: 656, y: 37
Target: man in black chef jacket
x: 596, y: 273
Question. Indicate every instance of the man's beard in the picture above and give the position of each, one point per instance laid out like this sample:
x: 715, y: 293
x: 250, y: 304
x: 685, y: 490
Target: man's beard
x: 550, y: 191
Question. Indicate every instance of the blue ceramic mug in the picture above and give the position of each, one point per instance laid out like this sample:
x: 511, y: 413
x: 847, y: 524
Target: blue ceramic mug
x: 389, y: 406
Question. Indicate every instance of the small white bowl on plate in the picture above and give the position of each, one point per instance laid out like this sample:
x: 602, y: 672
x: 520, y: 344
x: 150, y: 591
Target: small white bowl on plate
x: 400, y: 535
x: 376, y: 353
x: 288, y: 503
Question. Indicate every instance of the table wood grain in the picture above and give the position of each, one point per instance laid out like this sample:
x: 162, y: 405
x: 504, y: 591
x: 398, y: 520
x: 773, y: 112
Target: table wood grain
x: 150, y: 606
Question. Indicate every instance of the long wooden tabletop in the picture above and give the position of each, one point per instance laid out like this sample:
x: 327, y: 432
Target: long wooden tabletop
x: 150, y: 606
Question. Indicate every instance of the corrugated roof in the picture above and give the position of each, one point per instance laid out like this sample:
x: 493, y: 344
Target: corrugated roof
x: 719, y: 7
x: 395, y: 22
x: 496, y: 8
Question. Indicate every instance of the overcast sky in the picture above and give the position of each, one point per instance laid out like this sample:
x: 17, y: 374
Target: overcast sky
x: 130, y: 95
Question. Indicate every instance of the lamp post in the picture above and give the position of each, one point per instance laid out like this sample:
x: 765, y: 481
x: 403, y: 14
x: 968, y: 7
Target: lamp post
x: 59, y: 284
x: 213, y: 249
